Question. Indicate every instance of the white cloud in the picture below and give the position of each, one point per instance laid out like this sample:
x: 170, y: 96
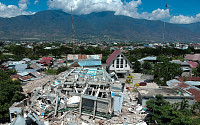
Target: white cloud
x: 89, y: 6
x: 13, y: 10
x: 159, y: 14
x: 36, y: 1
x: 85, y: 6
x: 23, y: 4
x: 181, y: 19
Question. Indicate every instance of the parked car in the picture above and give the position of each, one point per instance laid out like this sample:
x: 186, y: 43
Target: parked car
x: 148, y: 80
x: 143, y: 83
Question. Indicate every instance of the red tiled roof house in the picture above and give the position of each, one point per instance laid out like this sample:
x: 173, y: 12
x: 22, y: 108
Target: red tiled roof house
x: 46, y: 60
x: 192, y: 57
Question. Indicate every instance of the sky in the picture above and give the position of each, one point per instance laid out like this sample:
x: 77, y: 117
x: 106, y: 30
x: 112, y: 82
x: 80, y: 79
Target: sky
x: 177, y: 11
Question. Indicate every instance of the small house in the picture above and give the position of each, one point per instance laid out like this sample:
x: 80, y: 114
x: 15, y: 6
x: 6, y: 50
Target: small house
x: 171, y: 94
x: 46, y: 60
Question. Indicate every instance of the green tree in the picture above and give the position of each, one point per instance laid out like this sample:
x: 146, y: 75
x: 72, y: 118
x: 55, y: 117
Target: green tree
x: 161, y: 110
x: 51, y: 72
x: 62, y: 69
x: 90, y: 50
x: 132, y: 59
x: 10, y: 92
x: 104, y: 58
x: 166, y: 71
x: 196, y: 108
x: 182, y: 120
x: 196, y: 71
x: 165, y: 114
x: 65, y: 50
x: 137, y: 67
x: 56, y: 52
x: 184, y: 104
x: 147, y: 65
x: 162, y: 58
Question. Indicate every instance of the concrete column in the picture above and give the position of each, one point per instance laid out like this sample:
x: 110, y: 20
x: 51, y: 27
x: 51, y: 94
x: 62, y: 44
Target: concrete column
x: 10, y: 116
x: 94, y: 110
x: 109, y: 105
x: 80, y: 106
x: 55, y: 112
x: 123, y: 85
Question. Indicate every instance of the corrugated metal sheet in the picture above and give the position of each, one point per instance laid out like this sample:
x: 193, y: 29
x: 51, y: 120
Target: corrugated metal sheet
x: 148, y: 58
x: 79, y: 56
x: 82, y: 56
x: 15, y: 110
x: 185, y: 69
x: 180, y: 62
x: 26, y: 59
x: 94, y: 56
x: 36, y: 74
x: 20, y: 67
x: 35, y: 66
x: 72, y: 57
x: 27, y: 70
x: 194, y: 57
x: 193, y: 83
x: 118, y: 100
x: 189, y: 78
x: 23, y: 73
x: 25, y: 78
x: 47, y: 58
x: 173, y: 82
x: 195, y: 92
x: 90, y: 63
x: 15, y: 76
x: 19, y: 121
x: 193, y: 64
x: 188, y: 86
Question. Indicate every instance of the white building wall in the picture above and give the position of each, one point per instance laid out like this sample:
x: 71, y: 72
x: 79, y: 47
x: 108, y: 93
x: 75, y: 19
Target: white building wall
x: 124, y: 68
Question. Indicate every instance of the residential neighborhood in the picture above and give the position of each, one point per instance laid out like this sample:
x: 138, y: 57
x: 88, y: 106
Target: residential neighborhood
x: 99, y: 85
x: 99, y: 62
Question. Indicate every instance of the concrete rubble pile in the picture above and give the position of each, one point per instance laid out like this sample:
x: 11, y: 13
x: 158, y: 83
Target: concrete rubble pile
x: 77, y: 96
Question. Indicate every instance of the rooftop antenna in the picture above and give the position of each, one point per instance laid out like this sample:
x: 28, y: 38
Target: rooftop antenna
x: 72, y: 30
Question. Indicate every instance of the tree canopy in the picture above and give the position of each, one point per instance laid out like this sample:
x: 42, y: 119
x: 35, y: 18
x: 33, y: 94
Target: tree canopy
x: 196, y: 71
x: 137, y: 66
x: 10, y: 92
x: 165, y: 71
x: 165, y: 114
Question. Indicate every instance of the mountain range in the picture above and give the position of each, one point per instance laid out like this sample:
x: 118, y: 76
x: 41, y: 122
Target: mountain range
x: 56, y: 24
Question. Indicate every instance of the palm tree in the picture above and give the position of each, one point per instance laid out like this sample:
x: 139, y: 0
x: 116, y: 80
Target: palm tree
x: 176, y: 105
x: 136, y: 85
x: 129, y: 79
x: 196, y: 107
x: 184, y: 104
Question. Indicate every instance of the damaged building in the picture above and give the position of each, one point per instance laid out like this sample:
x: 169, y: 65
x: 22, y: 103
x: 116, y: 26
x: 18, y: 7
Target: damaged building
x: 74, y: 93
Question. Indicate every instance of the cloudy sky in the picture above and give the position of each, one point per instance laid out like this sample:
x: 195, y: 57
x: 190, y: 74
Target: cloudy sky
x: 177, y: 11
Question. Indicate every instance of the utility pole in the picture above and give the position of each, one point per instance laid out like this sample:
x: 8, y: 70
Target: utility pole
x: 72, y: 31
x: 163, y: 32
x: 164, y: 27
